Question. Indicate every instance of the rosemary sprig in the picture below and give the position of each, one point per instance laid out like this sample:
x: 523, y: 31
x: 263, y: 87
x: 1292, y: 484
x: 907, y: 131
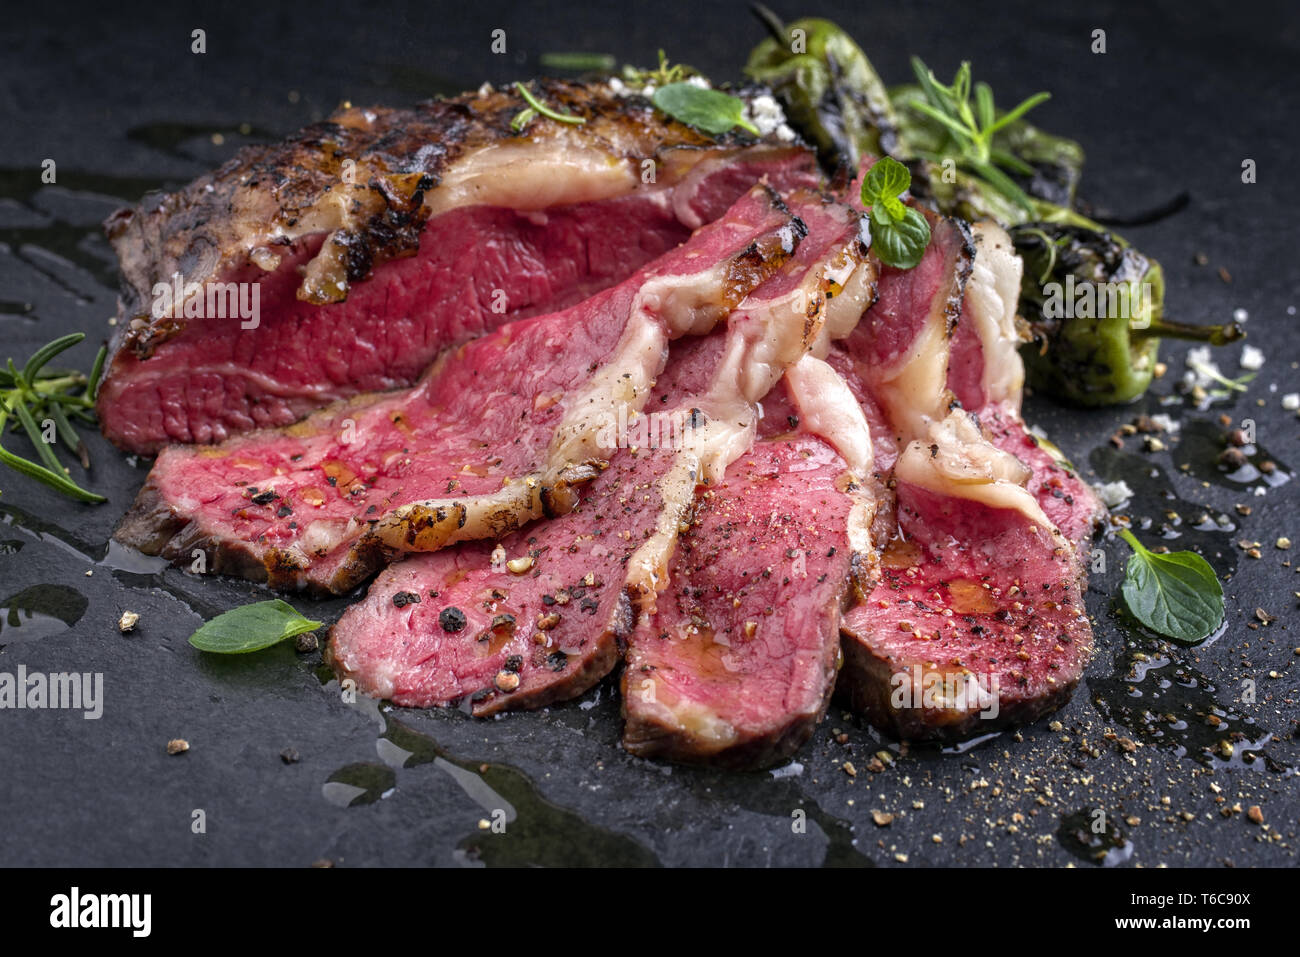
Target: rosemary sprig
x: 535, y: 107
x: 973, y: 127
x: 34, y: 394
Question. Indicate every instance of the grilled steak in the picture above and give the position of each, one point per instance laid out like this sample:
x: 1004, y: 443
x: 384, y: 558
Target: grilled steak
x: 986, y: 376
x: 978, y: 620
x: 378, y: 238
x: 549, y: 626
x: 901, y: 345
x: 737, y: 664
x: 977, y: 623
x: 497, y: 433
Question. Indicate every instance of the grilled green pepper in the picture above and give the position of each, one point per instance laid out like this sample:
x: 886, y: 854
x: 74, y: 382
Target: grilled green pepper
x: 1094, y: 303
x: 1095, y: 308
x: 830, y: 91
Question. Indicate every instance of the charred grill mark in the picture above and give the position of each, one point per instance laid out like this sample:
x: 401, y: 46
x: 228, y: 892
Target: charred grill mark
x: 402, y: 155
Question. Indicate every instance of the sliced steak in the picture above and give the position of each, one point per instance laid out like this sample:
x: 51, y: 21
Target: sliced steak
x: 978, y: 619
x: 977, y: 623
x: 737, y: 664
x: 901, y: 346
x: 381, y: 236
x: 497, y: 434
x: 550, y: 626
x: 987, y: 376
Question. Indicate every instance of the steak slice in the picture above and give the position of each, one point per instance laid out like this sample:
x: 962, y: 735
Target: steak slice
x: 978, y: 620
x: 900, y: 348
x: 498, y: 433
x: 550, y: 625
x: 987, y: 376
x: 977, y: 623
x: 737, y: 664
x: 379, y: 237
x: 1068, y: 501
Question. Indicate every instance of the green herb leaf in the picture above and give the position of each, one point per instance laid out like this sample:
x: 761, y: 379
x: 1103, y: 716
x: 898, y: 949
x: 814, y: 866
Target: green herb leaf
x: 886, y: 179
x: 251, y: 628
x: 1177, y: 595
x: 712, y: 111
x: 899, y: 233
x: 903, y: 244
x: 972, y: 131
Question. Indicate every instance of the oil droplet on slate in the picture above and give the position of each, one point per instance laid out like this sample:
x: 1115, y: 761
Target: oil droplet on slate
x: 40, y: 611
x: 1106, y: 847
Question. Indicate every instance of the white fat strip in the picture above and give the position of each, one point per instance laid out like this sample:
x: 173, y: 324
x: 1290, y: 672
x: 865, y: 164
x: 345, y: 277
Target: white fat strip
x: 991, y: 296
x: 956, y: 459
x: 665, y: 308
x: 915, y: 390
x: 854, y: 289
x: 828, y: 408
x: 531, y: 175
x: 765, y: 340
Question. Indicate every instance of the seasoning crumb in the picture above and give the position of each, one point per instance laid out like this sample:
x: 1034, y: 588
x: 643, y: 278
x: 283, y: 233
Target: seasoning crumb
x: 127, y: 621
x: 1283, y: 543
x: 1255, y: 815
x: 849, y: 769
x: 519, y: 566
x: 1264, y: 616
x: 484, y: 824
x: 506, y: 681
x: 177, y: 746
x: 289, y: 756
x: 882, y: 818
x: 323, y: 864
x: 306, y: 642
x: 900, y: 857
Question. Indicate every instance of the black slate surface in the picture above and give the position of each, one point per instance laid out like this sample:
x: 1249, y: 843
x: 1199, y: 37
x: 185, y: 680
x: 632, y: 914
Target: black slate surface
x: 113, y: 94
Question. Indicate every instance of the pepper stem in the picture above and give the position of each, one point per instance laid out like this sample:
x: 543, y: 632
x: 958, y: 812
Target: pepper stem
x: 1169, y: 329
x: 770, y: 20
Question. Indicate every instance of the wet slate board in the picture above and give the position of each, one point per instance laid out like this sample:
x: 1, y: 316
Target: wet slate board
x: 118, y: 100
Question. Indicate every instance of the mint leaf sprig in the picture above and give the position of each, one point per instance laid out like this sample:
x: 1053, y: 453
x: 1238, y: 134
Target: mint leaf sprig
x: 899, y: 233
x: 712, y: 111
x: 1177, y: 594
x: 252, y: 628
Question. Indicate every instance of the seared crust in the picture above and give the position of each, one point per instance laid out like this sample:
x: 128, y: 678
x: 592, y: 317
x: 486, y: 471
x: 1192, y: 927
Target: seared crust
x: 865, y: 687
x: 369, y: 178
x: 653, y: 739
